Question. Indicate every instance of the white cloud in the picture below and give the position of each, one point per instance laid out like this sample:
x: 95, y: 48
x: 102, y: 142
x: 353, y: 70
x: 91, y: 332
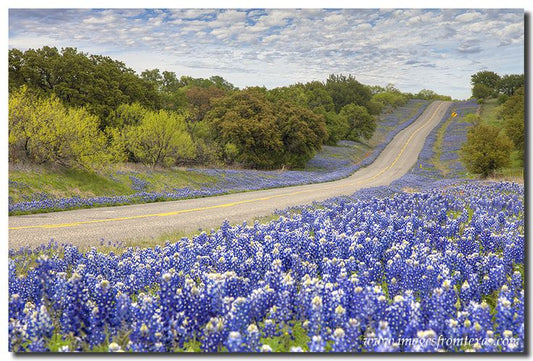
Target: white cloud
x: 413, y: 47
x: 468, y: 16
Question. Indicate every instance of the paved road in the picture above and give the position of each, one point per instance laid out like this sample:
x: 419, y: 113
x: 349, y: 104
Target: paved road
x: 135, y: 222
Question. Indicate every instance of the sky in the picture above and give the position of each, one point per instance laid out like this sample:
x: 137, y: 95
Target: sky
x: 413, y: 49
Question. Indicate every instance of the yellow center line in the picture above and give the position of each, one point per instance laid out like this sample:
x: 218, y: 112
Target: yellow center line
x: 403, y: 148
x: 225, y: 205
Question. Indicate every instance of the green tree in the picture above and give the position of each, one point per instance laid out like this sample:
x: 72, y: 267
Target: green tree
x: 127, y: 114
x: 302, y: 133
x: 318, y: 98
x: 47, y: 132
x: 489, y: 79
x: 345, y: 90
x: 98, y: 83
x: 390, y: 99
x: 337, y: 127
x: 360, y: 123
x: 512, y: 113
x: 221, y: 83
x: 486, y: 150
x: 169, y: 88
x: 428, y: 94
x: 161, y: 138
x: 246, y: 119
x: 481, y: 91
x: 510, y: 83
x: 200, y: 101
x: 153, y: 76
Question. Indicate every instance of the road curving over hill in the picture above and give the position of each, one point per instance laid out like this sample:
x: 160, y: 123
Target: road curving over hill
x: 86, y: 227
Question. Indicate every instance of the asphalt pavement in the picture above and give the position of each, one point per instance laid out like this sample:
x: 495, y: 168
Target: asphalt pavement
x: 148, y: 221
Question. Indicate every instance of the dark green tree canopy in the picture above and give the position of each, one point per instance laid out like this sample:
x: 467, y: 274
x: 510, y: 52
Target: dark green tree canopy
x: 487, y: 78
x: 509, y: 83
x: 259, y: 133
x: 96, y: 82
x: 345, y: 90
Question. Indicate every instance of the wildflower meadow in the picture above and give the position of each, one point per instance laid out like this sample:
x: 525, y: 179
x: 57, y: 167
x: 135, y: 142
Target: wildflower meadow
x: 429, y: 263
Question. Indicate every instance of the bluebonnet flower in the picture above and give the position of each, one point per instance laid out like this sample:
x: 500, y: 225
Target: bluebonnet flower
x: 395, y: 260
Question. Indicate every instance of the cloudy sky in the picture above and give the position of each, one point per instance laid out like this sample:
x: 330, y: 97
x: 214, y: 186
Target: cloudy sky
x: 413, y: 49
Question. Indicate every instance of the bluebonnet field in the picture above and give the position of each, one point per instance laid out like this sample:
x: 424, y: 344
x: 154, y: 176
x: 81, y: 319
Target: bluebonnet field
x: 445, y: 261
x: 331, y: 163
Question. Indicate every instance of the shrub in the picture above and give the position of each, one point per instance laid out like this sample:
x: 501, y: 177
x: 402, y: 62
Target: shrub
x: 42, y: 130
x: 161, y: 138
x: 486, y: 149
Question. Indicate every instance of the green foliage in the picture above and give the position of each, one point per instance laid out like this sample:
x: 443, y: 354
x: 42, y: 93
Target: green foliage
x: 302, y: 133
x: 318, y: 98
x: 253, y: 131
x: 42, y: 130
x: 486, y: 150
x: 512, y: 113
x: 360, y: 123
x: 428, y: 94
x: 345, y: 90
x: 390, y: 99
x: 488, y: 84
x: 161, y: 138
x: 502, y: 98
x: 98, y: 83
x: 200, y: 101
x: 509, y: 83
x: 337, y: 126
x: 283, y: 343
x: 246, y: 120
x: 168, y: 86
x: 127, y: 114
x: 482, y: 91
x: 485, y: 81
x: 472, y: 118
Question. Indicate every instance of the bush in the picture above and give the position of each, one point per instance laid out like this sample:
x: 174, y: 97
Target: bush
x: 360, y: 123
x: 42, y: 130
x: 251, y: 130
x: 512, y: 112
x: 481, y: 91
x: 161, y: 138
x: 486, y: 149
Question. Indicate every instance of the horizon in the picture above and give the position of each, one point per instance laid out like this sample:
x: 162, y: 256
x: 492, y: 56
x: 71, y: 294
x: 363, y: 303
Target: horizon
x: 413, y: 49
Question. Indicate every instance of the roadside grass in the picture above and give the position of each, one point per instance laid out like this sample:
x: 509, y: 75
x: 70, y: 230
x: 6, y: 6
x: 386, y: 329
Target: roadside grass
x: 490, y: 113
x: 29, y: 183
x: 437, y: 148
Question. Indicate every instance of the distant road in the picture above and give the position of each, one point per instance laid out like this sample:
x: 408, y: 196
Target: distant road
x: 145, y: 221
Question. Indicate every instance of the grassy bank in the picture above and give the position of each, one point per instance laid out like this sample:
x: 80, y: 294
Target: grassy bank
x: 34, y: 189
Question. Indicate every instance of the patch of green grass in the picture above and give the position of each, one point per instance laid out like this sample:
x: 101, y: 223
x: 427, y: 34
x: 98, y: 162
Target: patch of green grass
x: 437, y: 148
x: 490, y: 113
x: 27, y: 183
x: 62, y: 183
x: 283, y: 343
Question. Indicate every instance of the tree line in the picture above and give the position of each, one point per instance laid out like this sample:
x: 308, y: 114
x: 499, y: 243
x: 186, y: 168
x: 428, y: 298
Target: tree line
x: 487, y: 84
x: 489, y: 147
x: 76, y: 109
